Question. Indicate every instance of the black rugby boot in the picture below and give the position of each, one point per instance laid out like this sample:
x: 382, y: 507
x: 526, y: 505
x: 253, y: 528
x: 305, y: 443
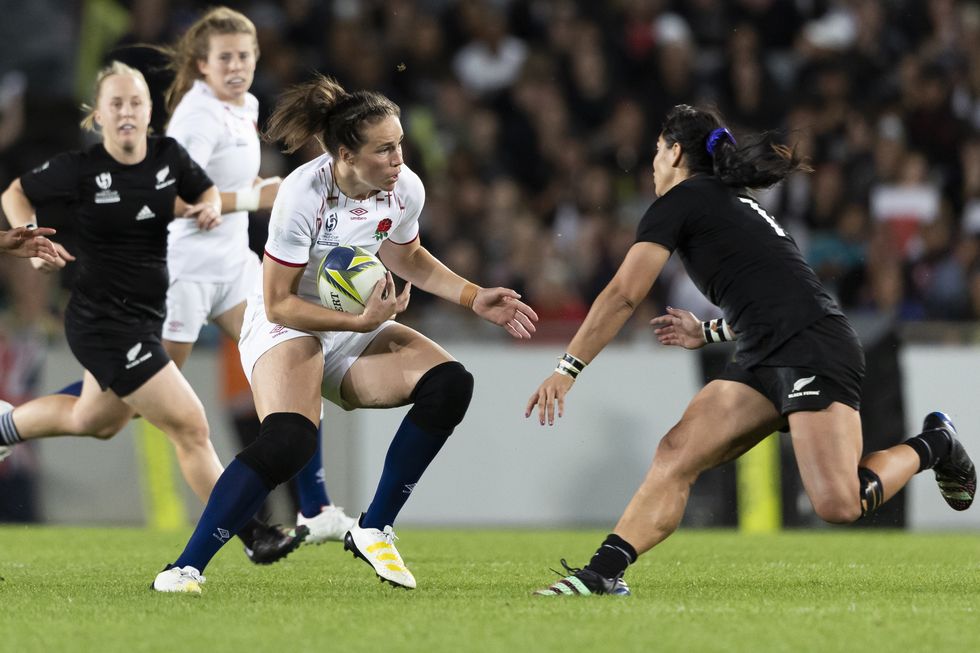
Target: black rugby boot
x: 272, y: 543
x: 956, y: 474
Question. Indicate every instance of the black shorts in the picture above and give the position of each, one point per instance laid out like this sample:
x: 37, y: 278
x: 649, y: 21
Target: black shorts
x: 121, y: 363
x: 822, y: 364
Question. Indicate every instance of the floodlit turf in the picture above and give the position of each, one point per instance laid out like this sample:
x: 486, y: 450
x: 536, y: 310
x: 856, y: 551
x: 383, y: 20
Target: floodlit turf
x: 71, y: 589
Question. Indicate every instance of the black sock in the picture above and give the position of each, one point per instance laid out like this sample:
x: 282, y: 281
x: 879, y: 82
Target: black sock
x: 613, y: 557
x: 932, y: 446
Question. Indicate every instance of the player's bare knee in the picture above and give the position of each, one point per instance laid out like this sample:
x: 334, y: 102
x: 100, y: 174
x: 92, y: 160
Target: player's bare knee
x: 98, y: 427
x: 838, y: 510
x: 193, y: 435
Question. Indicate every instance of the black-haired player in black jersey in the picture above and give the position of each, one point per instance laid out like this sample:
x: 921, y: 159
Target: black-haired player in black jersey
x: 798, y: 362
x: 122, y: 194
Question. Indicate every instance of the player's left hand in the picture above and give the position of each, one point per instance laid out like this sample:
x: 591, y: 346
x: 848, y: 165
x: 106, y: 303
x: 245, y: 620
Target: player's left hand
x: 207, y: 215
x: 679, y: 328
x: 504, y: 307
x: 549, y: 393
x: 24, y: 242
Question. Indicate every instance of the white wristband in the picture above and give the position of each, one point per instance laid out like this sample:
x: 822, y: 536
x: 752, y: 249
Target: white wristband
x: 248, y: 199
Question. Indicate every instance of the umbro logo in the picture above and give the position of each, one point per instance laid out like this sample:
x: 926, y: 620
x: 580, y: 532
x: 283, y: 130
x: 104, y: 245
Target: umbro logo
x: 408, y: 488
x: 359, y: 211
x: 802, y: 383
x: 222, y: 535
x: 145, y: 213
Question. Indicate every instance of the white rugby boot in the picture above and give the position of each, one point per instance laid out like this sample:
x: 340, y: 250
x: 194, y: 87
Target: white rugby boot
x: 187, y: 580
x: 377, y: 548
x: 329, y: 526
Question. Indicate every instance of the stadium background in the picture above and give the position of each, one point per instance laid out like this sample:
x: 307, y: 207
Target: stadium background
x: 532, y: 124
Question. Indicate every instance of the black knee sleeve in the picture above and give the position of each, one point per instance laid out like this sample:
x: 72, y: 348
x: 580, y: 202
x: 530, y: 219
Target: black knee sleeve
x: 441, y: 398
x: 872, y: 492
x: 286, y: 442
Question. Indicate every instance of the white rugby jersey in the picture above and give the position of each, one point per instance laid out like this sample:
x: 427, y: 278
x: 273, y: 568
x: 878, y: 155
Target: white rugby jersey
x: 311, y: 216
x: 223, y: 139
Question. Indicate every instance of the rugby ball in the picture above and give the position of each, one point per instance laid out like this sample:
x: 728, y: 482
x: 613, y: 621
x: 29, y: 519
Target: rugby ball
x: 347, y: 276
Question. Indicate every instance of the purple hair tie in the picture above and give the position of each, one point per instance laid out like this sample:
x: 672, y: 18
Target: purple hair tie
x: 715, y: 136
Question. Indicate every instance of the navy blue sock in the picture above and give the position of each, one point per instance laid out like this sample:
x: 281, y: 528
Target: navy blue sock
x: 73, y: 389
x: 410, y: 452
x: 234, y: 500
x: 311, y: 482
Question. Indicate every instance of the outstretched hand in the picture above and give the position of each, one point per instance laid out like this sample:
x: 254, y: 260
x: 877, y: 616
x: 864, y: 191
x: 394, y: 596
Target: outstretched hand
x: 551, y: 392
x: 25, y: 242
x: 679, y: 329
x: 504, y: 307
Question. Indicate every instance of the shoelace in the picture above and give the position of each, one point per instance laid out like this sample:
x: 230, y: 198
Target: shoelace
x: 192, y: 575
x: 569, y: 571
x: 389, y: 534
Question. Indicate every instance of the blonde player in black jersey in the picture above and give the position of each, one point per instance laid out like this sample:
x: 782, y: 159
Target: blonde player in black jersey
x: 797, y: 363
x: 122, y: 192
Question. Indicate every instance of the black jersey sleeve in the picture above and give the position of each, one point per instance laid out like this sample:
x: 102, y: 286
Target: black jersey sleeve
x: 191, y: 178
x: 53, y: 181
x: 665, y: 220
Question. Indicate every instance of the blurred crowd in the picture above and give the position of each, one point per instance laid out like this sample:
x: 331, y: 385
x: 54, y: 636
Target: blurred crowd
x: 533, y: 125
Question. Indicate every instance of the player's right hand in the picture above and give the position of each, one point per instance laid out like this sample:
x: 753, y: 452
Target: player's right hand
x: 551, y: 392
x: 679, y: 329
x: 384, y: 304
x: 47, y: 262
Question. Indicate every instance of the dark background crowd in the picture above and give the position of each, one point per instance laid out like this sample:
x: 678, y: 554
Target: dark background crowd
x: 533, y: 125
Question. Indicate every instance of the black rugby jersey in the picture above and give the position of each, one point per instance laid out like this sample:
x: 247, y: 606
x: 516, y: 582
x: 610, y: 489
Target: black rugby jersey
x: 120, y: 215
x: 741, y: 259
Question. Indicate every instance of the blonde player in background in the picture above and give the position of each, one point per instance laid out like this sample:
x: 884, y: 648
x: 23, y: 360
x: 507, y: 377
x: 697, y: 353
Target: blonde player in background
x: 215, y: 117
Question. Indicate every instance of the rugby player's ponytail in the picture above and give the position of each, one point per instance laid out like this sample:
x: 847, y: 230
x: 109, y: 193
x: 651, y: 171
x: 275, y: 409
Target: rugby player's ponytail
x: 321, y: 109
x: 755, y: 161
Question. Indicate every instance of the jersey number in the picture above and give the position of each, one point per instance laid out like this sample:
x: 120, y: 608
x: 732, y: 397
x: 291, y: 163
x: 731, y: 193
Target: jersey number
x: 758, y: 209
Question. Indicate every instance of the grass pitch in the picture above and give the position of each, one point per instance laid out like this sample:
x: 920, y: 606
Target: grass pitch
x: 75, y: 589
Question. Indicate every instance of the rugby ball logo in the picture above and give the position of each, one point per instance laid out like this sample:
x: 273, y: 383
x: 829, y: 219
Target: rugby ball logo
x: 347, y: 276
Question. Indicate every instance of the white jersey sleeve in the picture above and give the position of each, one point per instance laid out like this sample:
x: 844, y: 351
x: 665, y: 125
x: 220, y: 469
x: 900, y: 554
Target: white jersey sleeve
x: 411, y: 195
x: 198, y: 130
x: 292, y: 224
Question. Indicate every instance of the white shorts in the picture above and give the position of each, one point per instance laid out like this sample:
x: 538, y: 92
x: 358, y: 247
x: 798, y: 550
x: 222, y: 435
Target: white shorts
x: 190, y: 304
x: 340, y: 348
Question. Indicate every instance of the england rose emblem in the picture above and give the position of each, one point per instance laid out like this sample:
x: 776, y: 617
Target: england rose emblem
x: 382, y: 230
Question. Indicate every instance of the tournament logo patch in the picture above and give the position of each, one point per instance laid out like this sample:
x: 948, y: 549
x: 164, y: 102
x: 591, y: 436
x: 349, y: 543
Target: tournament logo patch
x: 105, y: 196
